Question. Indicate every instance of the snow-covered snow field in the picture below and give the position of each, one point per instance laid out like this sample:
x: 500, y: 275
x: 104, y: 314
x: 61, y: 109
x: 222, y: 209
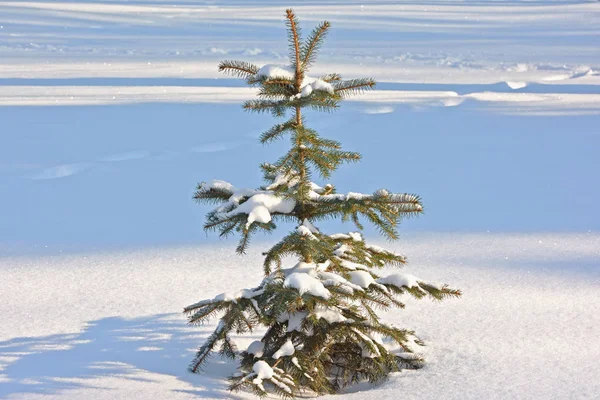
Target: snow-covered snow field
x: 112, y: 110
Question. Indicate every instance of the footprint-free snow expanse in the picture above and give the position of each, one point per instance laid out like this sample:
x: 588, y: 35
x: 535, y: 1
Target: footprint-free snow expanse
x: 107, y: 325
x: 112, y: 110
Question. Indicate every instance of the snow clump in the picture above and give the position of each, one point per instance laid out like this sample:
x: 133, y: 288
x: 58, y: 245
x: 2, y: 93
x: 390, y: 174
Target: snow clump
x: 262, y: 371
x: 305, y: 283
x: 400, y: 280
x: 257, y: 348
x: 286, y: 350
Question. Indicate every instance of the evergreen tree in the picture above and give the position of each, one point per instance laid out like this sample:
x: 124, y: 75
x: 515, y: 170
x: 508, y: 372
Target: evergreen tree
x: 322, y: 328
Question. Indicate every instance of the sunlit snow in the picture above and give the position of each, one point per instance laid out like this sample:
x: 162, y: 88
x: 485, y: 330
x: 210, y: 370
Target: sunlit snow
x: 112, y: 111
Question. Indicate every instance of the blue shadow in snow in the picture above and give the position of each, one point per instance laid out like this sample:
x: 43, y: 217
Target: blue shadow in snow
x: 160, y: 344
x: 475, y: 170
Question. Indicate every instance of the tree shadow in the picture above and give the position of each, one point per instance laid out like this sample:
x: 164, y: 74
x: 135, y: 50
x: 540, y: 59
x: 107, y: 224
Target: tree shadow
x: 160, y: 344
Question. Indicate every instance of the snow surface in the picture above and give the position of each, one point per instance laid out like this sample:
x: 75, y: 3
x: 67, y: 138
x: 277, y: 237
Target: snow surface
x: 106, y: 325
x: 119, y: 97
x: 112, y: 110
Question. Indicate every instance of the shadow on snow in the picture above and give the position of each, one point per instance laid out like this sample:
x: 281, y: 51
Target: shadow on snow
x: 114, y: 346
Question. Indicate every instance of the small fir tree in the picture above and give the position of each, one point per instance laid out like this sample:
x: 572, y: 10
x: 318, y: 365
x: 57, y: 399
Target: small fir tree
x: 322, y: 328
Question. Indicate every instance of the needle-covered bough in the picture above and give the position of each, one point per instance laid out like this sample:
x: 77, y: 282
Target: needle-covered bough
x: 322, y: 328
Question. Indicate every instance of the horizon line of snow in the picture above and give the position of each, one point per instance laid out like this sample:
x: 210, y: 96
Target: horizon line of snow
x: 506, y: 103
x: 518, y: 74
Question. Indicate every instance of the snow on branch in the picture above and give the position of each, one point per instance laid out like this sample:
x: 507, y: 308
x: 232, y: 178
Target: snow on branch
x: 282, y: 74
x: 286, y: 350
x: 380, y: 196
x: 305, y: 283
x: 257, y: 205
x: 417, y: 287
x: 283, y: 179
x: 262, y: 371
x: 274, y: 71
x: 240, y: 294
x: 399, y: 280
x: 352, y: 253
x: 260, y: 206
x: 306, y: 229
